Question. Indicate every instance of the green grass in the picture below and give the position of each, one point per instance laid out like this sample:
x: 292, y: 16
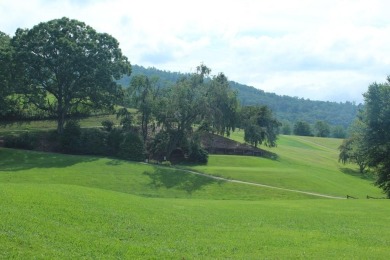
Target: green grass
x: 69, y: 221
x: 122, y: 176
x: 64, y: 206
x: 304, y: 163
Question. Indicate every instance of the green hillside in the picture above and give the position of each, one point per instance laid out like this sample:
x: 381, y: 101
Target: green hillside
x: 65, y: 206
x: 285, y: 107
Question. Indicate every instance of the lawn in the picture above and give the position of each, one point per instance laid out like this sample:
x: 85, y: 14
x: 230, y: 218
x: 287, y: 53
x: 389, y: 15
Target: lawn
x: 304, y: 163
x: 65, y: 206
x: 71, y: 221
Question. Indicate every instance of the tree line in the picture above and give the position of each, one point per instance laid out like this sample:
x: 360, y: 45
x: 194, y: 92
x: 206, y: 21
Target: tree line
x: 63, y: 68
x: 288, y: 110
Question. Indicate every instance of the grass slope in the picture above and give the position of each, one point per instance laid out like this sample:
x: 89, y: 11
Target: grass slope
x: 304, y: 163
x: 128, y: 177
x: 68, y: 221
x: 64, y: 206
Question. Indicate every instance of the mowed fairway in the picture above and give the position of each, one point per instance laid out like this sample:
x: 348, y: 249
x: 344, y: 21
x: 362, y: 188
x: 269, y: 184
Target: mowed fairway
x: 63, y: 206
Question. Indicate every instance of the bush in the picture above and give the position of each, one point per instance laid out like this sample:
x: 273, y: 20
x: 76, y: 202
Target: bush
x: 132, y: 147
x: 198, y: 154
x: 93, y: 141
x: 108, y: 125
x: 70, y: 139
x: 114, y: 140
x: 24, y: 141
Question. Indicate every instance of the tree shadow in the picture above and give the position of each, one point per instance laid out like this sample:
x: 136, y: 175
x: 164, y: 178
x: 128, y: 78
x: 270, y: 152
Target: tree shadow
x: 356, y: 173
x: 170, y: 178
x: 115, y: 162
x: 19, y: 160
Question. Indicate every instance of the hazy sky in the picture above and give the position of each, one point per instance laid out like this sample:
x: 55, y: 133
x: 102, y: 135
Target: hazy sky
x: 322, y: 50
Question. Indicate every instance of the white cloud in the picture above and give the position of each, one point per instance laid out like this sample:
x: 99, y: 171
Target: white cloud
x: 327, y: 50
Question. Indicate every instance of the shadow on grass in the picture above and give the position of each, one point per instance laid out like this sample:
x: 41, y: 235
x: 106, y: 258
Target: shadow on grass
x: 356, y: 173
x: 18, y: 160
x: 170, y: 178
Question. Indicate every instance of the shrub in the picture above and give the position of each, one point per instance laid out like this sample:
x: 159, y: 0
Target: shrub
x: 114, y: 140
x: 132, y: 147
x: 93, y: 141
x: 70, y: 139
x: 198, y: 154
x: 24, y: 141
x: 108, y: 125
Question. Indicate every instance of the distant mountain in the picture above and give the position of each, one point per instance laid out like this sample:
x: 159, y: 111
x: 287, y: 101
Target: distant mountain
x: 286, y: 108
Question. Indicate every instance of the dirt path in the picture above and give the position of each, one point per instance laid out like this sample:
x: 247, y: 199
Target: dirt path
x: 257, y: 184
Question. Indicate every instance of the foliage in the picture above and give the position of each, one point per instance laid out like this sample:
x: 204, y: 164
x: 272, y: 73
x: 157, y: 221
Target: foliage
x: 143, y: 93
x: 322, y: 129
x: 70, y: 138
x: 132, y: 147
x: 286, y: 128
x: 197, y: 154
x: 339, y: 132
x: 259, y: 125
x: 375, y: 137
x: 126, y: 119
x: 93, y: 141
x: 108, y: 125
x: 8, y: 99
x: 286, y: 108
x: 68, y: 66
x: 222, y: 105
x: 26, y: 140
x: 351, y: 150
x: 302, y: 128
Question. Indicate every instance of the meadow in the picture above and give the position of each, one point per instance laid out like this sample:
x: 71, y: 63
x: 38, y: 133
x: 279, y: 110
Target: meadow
x: 66, y: 206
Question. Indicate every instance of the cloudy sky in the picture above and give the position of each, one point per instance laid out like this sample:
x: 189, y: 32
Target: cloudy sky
x: 318, y: 49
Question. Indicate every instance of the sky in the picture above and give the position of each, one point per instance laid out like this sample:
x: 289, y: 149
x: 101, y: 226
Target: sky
x: 329, y: 50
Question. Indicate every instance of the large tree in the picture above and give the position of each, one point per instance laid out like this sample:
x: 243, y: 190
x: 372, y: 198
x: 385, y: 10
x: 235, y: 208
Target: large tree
x: 67, y: 65
x: 376, y: 134
x: 5, y: 74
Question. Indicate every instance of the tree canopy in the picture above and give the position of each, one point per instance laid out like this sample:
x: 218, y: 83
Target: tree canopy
x: 5, y: 74
x: 67, y: 65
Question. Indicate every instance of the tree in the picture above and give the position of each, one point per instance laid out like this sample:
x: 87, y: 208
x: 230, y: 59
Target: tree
x: 286, y: 128
x: 259, y: 126
x: 143, y: 93
x: 182, y: 106
x: 322, y: 129
x: 352, y: 150
x: 376, y: 135
x: 67, y: 65
x: 339, y: 132
x: 6, y: 65
x: 302, y: 128
x: 222, y: 105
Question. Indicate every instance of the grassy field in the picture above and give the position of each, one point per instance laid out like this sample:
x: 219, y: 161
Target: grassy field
x: 304, y: 163
x: 64, y: 206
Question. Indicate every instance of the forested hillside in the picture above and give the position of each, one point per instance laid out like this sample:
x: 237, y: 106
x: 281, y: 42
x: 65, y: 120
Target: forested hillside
x: 286, y: 108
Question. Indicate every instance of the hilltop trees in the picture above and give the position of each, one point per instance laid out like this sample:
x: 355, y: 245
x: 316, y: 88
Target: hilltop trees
x: 67, y: 65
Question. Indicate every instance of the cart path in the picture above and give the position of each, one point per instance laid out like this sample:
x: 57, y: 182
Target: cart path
x: 253, y: 183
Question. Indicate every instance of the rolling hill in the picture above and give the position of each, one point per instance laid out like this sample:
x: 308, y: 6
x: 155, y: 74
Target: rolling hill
x: 66, y: 206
